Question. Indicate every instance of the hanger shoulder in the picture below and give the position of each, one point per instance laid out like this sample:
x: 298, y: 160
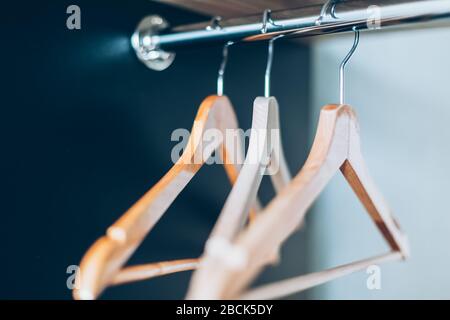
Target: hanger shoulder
x: 356, y: 173
x: 336, y: 146
x: 278, y: 169
x: 264, y: 153
x: 284, y: 214
x: 104, y: 259
x: 245, y: 189
x: 276, y: 222
x: 214, y: 113
x: 329, y: 150
x: 264, y: 149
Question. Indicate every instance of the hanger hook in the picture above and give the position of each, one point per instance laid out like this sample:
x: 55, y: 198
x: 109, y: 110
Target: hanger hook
x: 269, y: 66
x: 343, y: 64
x: 215, y: 23
x: 223, y: 65
x: 267, y: 19
x: 331, y: 5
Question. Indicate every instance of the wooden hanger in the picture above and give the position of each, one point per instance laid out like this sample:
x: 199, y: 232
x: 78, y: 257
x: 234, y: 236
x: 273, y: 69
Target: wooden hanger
x: 265, y: 152
x: 100, y: 267
x: 152, y: 270
x: 287, y: 287
x: 336, y: 147
x: 265, y: 155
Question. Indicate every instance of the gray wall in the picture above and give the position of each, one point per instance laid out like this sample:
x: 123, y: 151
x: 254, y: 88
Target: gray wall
x: 398, y: 82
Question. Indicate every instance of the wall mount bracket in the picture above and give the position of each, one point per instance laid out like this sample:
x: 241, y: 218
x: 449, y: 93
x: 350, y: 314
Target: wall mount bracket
x: 145, y: 41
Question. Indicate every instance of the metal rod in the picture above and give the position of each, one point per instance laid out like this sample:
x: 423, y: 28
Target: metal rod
x: 302, y: 22
x: 345, y: 16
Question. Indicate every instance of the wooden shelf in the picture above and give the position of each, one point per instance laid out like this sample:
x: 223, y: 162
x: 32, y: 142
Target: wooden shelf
x: 238, y: 8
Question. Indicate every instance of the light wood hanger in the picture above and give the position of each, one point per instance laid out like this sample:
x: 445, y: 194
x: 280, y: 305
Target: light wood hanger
x: 265, y: 155
x: 100, y: 267
x: 152, y: 270
x: 336, y: 147
x: 265, y: 152
x: 287, y: 287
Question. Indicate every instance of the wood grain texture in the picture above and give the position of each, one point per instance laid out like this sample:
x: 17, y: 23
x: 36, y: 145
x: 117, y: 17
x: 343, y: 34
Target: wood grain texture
x: 108, y: 254
x: 238, y: 8
x: 336, y: 148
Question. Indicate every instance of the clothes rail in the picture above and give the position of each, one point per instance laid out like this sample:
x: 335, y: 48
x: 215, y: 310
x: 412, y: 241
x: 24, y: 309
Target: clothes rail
x: 154, y: 41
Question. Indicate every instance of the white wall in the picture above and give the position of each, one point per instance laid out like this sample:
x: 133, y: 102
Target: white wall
x: 399, y: 84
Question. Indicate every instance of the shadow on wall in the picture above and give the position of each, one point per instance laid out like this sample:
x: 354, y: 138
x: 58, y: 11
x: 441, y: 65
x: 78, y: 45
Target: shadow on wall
x: 86, y: 131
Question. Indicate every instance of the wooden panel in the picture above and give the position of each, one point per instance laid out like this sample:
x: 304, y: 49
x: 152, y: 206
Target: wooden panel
x: 237, y: 8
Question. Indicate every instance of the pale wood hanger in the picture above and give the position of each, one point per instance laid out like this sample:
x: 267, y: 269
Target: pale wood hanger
x: 260, y: 156
x: 287, y: 287
x: 265, y: 153
x: 336, y: 147
x: 152, y: 270
x: 100, y: 267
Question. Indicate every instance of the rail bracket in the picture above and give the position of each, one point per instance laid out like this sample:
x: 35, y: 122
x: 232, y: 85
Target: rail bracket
x: 145, y: 41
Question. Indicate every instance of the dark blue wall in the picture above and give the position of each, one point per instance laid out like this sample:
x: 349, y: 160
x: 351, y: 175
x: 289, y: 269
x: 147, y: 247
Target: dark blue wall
x: 85, y: 131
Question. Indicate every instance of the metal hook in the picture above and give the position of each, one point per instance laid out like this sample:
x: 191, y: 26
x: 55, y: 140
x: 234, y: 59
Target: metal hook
x: 222, y: 68
x: 269, y: 66
x: 267, y: 18
x: 343, y: 64
x: 215, y: 23
x: 324, y: 11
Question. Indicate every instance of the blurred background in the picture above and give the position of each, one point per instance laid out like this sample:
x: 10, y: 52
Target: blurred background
x: 398, y: 84
x: 86, y: 129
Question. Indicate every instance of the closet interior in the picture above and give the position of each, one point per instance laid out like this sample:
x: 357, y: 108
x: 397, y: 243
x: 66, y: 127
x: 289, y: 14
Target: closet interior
x: 249, y: 236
